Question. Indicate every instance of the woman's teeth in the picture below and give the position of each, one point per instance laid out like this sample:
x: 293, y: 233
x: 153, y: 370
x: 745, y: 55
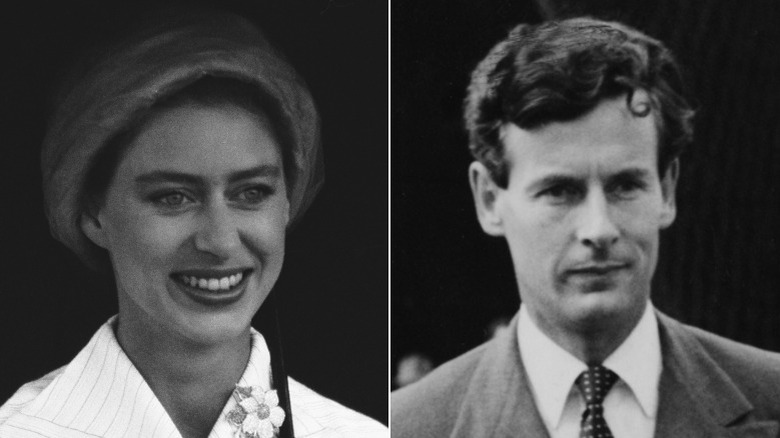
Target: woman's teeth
x: 212, y: 284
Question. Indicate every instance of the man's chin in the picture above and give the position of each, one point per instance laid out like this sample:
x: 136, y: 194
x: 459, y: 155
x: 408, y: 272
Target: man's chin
x: 587, y: 284
x: 605, y: 309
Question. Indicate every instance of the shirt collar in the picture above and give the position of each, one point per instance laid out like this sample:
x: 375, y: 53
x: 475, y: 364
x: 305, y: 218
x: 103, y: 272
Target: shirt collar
x: 257, y: 374
x: 638, y: 361
x: 101, y: 393
x: 552, y: 370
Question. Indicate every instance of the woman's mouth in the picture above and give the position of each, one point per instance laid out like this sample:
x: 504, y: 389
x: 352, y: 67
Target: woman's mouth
x: 212, y: 287
x: 211, y: 283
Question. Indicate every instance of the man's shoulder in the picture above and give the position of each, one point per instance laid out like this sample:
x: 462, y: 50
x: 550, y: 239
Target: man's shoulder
x: 429, y: 407
x: 754, y: 371
x: 737, y: 353
x: 733, y: 355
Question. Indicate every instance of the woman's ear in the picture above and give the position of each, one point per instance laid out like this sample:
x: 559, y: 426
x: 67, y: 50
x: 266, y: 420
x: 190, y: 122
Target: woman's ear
x: 485, y: 193
x: 92, y: 228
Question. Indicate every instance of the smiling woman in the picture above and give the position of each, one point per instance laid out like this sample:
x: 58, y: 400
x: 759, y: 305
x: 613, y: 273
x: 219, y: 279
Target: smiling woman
x: 199, y: 197
x: 178, y: 163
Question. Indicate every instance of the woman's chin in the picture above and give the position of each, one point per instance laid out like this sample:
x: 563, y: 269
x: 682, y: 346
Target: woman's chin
x: 216, y: 315
x: 216, y: 329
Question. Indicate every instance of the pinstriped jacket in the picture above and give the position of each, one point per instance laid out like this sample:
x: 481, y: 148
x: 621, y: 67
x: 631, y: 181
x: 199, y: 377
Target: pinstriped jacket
x: 101, y: 394
x: 710, y: 387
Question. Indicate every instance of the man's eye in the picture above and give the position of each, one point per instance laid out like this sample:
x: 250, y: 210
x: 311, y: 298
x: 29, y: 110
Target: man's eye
x: 561, y: 192
x: 626, y: 188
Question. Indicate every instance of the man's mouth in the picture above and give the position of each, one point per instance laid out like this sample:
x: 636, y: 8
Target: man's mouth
x: 598, y: 268
x: 212, y: 282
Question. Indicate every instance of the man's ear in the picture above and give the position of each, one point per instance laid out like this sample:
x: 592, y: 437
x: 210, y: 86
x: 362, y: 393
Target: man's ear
x: 485, y: 193
x: 92, y: 228
x: 668, y: 192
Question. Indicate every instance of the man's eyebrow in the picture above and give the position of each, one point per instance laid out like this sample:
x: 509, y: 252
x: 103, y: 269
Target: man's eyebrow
x: 634, y: 172
x: 554, y: 180
x: 171, y: 176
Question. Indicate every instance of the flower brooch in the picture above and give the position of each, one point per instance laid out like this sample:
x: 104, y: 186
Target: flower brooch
x: 257, y: 414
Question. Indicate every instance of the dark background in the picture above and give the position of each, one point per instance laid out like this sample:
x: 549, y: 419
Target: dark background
x: 333, y: 289
x: 719, y: 265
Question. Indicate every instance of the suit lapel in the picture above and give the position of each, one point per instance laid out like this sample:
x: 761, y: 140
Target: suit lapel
x: 696, y: 397
x: 498, y: 402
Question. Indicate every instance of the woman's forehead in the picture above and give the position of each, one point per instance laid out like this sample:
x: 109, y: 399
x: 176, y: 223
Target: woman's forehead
x: 202, y: 140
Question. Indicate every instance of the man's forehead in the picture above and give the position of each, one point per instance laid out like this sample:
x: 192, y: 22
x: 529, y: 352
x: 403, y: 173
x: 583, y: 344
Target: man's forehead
x: 603, y: 145
x: 547, y: 175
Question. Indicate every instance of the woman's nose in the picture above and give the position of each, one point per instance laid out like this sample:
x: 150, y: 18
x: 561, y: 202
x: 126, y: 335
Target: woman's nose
x: 596, y: 227
x: 217, y: 232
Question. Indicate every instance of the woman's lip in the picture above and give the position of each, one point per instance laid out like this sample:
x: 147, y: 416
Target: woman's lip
x: 212, y: 273
x: 212, y: 297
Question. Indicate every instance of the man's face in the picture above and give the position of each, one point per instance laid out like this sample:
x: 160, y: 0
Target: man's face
x: 581, y: 214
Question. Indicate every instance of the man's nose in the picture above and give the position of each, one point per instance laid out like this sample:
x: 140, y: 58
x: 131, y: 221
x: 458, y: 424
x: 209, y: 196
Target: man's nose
x: 217, y: 232
x: 597, y: 228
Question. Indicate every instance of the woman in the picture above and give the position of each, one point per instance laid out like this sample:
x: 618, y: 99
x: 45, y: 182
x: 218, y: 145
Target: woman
x: 178, y: 162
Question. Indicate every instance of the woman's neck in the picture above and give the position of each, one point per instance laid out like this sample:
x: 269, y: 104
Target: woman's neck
x: 192, y: 381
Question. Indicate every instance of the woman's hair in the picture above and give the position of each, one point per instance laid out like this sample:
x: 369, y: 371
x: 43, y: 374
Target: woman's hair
x: 561, y: 70
x: 211, y: 58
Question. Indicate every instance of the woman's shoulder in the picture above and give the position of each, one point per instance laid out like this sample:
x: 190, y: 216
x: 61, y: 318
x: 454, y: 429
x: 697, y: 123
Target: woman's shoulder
x: 26, y: 394
x: 314, y: 414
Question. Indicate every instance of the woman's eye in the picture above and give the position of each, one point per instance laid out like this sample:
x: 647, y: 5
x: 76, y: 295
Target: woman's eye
x: 173, y: 200
x: 254, y: 195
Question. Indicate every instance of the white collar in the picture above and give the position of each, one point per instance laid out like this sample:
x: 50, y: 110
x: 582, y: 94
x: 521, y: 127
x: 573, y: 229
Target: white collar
x: 101, y: 393
x: 552, y: 370
x: 638, y: 361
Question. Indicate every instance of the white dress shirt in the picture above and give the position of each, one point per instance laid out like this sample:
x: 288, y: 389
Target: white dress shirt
x: 630, y: 406
x: 101, y: 394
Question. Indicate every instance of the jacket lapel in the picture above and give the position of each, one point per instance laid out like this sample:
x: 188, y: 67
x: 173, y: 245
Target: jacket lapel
x: 696, y: 397
x: 498, y: 402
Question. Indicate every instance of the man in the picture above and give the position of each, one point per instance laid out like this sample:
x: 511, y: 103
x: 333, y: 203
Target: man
x: 576, y: 127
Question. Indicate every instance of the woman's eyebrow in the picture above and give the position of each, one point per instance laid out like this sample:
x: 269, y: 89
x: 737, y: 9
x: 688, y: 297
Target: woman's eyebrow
x: 265, y: 170
x: 162, y: 176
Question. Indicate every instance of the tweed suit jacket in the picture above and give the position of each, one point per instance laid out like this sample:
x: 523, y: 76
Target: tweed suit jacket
x: 710, y: 387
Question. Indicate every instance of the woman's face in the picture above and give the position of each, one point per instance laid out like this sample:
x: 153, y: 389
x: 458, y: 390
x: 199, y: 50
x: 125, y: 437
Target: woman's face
x: 194, y: 221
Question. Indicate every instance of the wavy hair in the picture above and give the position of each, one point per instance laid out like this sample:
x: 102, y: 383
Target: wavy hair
x: 559, y: 71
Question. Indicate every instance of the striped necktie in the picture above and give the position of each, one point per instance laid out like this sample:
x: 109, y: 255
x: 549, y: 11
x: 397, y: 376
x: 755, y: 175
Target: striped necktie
x: 594, y: 384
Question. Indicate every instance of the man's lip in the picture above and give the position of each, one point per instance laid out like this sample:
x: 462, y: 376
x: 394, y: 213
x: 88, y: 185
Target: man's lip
x: 598, y: 268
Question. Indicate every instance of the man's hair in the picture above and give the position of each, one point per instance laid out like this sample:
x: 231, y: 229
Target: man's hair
x: 559, y: 71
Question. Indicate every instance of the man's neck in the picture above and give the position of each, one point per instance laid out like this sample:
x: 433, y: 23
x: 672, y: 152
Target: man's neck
x: 590, y: 342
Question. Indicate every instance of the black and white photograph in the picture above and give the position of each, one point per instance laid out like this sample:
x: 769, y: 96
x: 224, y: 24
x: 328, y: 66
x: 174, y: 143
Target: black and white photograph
x: 407, y: 219
x: 196, y: 226
x: 584, y: 221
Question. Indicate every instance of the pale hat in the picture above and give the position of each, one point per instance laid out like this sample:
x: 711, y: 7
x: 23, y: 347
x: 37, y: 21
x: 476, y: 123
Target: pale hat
x: 152, y: 64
